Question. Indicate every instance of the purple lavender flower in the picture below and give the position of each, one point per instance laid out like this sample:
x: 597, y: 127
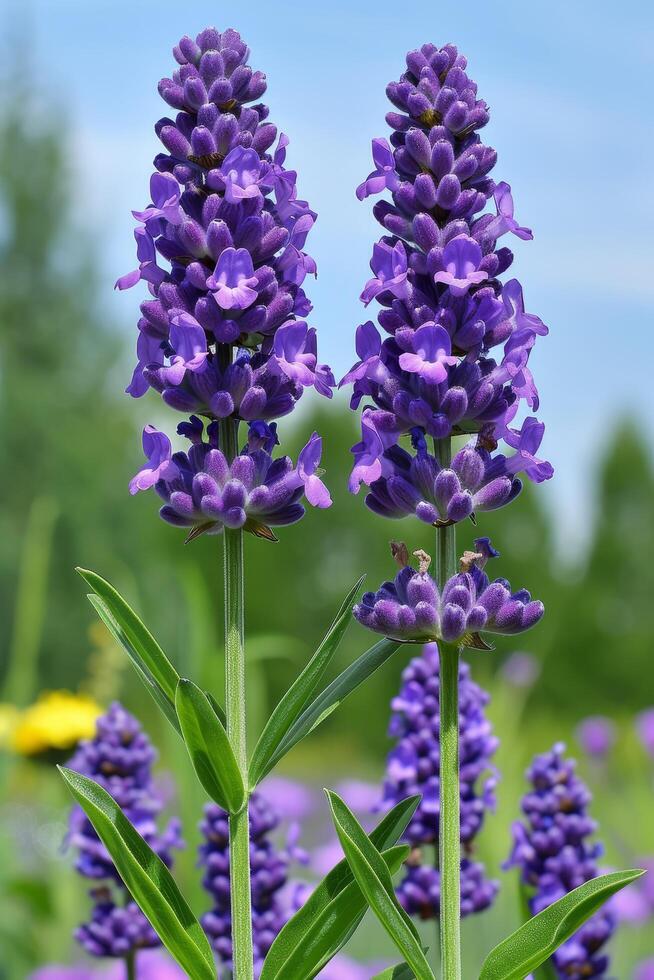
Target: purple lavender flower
x: 224, y: 212
x: 554, y: 854
x: 115, y: 930
x: 645, y: 730
x: 274, y: 900
x: 411, y: 609
x: 413, y: 768
x: 645, y: 970
x: 474, y: 481
x: 120, y: 758
x: 596, y: 736
x: 221, y: 244
x: 521, y: 670
x: 437, y: 279
x: 202, y: 490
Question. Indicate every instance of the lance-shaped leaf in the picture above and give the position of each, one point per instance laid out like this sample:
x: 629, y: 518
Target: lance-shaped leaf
x: 333, y: 695
x: 209, y: 748
x: 135, y: 638
x: 330, y: 929
x: 374, y: 880
x: 146, y: 877
x: 157, y: 693
x: 327, y: 920
x: 534, y: 942
x: 400, y: 972
x: 292, y: 703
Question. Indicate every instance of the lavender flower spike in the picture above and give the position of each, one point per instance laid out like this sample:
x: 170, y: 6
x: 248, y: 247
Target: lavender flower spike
x: 413, y: 767
x: 229, y: 229
x: 458, y: 340
x: 273, y: 901
x: 412, y: 610
x: 554, y: 854
x: 120, y: 759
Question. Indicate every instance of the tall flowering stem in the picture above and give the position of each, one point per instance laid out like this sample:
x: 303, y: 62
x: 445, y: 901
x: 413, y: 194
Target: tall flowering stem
x: 235, y: 710
x: 454, y: 362
x: 449, y: 842
x: 223, y: 340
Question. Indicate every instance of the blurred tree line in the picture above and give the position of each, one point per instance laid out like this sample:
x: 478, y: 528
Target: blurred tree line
x: 68, y: 438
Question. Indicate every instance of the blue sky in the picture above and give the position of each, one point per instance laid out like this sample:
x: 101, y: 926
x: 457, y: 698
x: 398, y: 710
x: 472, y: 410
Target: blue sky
x: 569, y: 86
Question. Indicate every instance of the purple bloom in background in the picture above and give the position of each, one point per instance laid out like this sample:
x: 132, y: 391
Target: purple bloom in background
x: 645, y: 970
x: 635, y: 904
x: 645, y: 730
x: 288, y: 797
x: 411, y: 609
x: 521, y: 670
x: 274, y: 900
x: 555, y: 854
x: 437, y: 279
x: 596, y: 736
x: 342, y: 967
x: 201, y: 490
x: 120, y: 758
x: 153, y: 964
x: 413, y: 767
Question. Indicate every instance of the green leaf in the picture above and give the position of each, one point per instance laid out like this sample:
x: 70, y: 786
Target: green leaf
x: 137, y: 641
x: 326, y: 920
x: 292, y: 703
x: 209, y: 747
x: 146, y: 877
x: 330, y: 928
x: 333, y: 695
x: 154, y: 689
x: 537, y: 939
x: 374, y: 879
x: 400, y: 972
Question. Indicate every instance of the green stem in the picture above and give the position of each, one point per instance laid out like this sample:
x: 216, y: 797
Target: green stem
x: 130, y: 966
x: 449, y: 819
x: 239, y: 823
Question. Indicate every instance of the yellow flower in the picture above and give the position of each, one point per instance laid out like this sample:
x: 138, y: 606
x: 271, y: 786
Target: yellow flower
x: 58, y: 720
x: 9, y: 715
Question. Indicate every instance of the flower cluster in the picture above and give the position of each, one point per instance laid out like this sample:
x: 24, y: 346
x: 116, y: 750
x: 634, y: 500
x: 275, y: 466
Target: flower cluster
x: 413, y: 768
x: 274, y: 900
x: 412, y: 609
x: 203, y: 490
x: 224, y: 334
x: 554, y: 854
x: 443, y: 308
x: 120, y: 759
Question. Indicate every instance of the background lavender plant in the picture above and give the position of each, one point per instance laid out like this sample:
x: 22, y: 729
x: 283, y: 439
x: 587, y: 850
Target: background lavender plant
x: 274, y: 897
x: 555, y: 852
x: 120, y: 758
x: 412, y: 768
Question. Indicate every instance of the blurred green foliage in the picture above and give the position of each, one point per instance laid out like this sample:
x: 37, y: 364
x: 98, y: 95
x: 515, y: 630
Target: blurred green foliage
x: 68, y: 444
